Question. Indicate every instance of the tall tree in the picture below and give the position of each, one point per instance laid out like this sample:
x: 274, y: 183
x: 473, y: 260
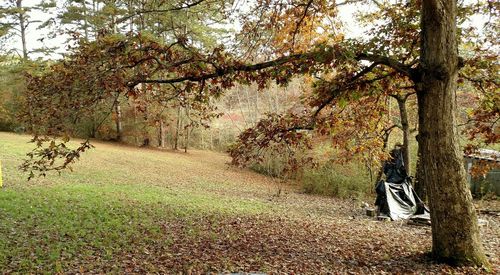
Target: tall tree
x: 79, y: 15
x: 454, y: 221
x: 16, y: 20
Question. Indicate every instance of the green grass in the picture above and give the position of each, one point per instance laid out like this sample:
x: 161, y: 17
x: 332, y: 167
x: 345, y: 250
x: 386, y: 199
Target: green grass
x: 115, y: 201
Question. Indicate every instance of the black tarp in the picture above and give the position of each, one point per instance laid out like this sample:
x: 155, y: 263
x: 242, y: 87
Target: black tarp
x: 395, y: 196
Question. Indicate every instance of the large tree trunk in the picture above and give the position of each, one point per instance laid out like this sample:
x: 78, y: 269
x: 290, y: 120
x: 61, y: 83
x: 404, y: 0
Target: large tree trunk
x: 455, y: 233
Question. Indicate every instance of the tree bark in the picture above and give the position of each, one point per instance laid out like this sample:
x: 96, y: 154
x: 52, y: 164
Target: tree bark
x: 419, y: 184
x: 455, y: 232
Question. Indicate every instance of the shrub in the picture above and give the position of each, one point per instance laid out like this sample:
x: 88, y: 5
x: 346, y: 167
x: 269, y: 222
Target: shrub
x: 270, y: 166
x: 344, y: 181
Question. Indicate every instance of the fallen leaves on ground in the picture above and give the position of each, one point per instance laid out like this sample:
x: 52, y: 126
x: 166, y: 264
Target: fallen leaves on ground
x: 286, y: 245
x: 130, y: 222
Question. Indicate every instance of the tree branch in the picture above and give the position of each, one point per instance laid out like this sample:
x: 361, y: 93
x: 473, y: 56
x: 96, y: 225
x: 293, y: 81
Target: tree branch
x: 336, y: 92
x: 387, y: 61
x: 182, y: 7
x: 228, y: 70
x: 300, y: 21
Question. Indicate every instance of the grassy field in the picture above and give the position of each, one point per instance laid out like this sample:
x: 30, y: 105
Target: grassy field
x: 126, y: 209
x: 113, y: 199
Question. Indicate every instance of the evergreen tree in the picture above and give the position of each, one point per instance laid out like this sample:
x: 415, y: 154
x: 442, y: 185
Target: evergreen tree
x: 16, y: 18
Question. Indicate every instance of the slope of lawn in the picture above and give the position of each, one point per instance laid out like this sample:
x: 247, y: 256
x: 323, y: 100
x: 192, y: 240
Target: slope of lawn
x: 126, y: 209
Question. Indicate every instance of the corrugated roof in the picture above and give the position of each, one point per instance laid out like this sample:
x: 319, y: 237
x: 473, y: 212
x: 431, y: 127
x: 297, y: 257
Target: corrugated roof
x: 485, y: 154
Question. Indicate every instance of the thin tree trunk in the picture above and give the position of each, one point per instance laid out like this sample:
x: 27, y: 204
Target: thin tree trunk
x: 240, y: 105
x: 455, y: 232
x: 22, y: 28
x: 211, y: 140
x: 405, y: 127
x: 162, y: 133
x: 270, y: 102
x: 220, y: 140
x: 136, y: 133
x: 277, y: 103
x: 187, y: 132
x: 131, y: 21
x: 202, y: 138
x: 94, y: 11
x: 177, y: 128
x: 186, y: 140
x: 85, y: 21
x: 93, y: 127
x: 257, y: 102
x: 118, y: 122
x: 386, y: 134
x: 114, y: 27
x: 249, y: 107
x: 145, y: 134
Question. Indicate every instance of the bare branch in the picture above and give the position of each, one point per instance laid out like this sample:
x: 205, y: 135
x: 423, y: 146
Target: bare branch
x: 297, y: 27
